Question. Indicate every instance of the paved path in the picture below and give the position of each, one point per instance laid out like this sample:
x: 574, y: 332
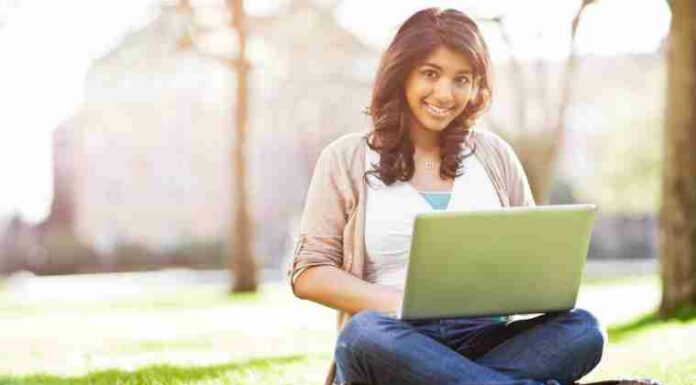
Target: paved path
x: 114, y: 285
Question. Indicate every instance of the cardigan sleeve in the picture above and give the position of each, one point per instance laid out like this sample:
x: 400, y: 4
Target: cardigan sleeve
x: 517, y: 183
x: 505, y: 169
x: 326, y: 211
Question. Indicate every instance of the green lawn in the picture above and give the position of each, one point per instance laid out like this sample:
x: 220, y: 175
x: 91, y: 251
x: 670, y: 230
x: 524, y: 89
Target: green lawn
x: 201, y: 336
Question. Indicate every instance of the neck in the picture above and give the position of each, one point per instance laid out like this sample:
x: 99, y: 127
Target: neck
x: 425, y: 141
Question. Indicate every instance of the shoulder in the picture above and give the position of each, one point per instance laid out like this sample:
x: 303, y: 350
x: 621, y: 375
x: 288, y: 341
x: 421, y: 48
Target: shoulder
x: 343, y: 160
x: 490, y: 139
x: 347, y: 149
x: 493, y: 146
x: 504, y: 165
x: 347, y: 143
x: 493, y: 150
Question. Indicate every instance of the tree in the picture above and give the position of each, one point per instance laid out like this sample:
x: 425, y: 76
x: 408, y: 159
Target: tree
x: 678, y: 210
x: 243, y: 266
x: 538, y: 149
x: 295, y: 87
x: 243, y: 269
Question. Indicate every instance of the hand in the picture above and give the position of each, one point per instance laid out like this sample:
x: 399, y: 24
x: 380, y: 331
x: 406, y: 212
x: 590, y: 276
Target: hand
x: 396, y: 299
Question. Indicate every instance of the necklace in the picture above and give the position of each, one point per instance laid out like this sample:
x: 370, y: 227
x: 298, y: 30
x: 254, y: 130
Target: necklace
x: 429, y: 165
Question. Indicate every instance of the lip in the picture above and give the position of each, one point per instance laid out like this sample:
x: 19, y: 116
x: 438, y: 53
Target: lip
x: 437, y: 112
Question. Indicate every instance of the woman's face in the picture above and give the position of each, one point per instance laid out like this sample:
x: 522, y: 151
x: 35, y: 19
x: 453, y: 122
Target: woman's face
x: 439, y: 88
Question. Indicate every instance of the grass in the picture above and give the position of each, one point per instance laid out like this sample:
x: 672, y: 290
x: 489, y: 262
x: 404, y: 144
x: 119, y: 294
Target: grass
x: 201, y: 336
x: 278, y: 370
x: 650, y: 321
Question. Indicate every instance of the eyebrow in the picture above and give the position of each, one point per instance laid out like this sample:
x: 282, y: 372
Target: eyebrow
x: 465, y: 72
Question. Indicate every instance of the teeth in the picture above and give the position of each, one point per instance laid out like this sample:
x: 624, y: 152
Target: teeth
x: 437, y: 111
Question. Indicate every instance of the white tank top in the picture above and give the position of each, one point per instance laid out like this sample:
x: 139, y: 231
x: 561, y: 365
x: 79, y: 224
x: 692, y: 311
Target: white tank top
x: 391, y: 211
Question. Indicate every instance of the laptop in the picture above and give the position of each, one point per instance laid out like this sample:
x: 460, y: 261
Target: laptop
x: 519, y: 260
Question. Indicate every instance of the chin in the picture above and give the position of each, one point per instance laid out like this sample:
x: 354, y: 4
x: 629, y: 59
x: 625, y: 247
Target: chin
x: 428, y: 123
x: 437, y: 127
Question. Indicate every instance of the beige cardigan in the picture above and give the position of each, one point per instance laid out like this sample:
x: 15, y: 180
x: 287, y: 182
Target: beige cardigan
x: 332, y: 226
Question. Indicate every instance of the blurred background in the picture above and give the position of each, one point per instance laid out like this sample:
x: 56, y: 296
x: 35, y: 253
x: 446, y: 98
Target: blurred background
x: 155, y: 156
x: 119, y: 132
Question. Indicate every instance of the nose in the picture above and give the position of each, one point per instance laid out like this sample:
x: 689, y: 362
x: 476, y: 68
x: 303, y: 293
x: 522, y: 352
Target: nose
x: 442, y: 93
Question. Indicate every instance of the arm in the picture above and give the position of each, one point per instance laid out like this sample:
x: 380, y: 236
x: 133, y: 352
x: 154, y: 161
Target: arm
x: 337, y: 289
x: 315, y: 272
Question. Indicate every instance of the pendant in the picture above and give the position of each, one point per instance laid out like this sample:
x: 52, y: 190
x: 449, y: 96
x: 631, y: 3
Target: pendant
x: 429, y: 164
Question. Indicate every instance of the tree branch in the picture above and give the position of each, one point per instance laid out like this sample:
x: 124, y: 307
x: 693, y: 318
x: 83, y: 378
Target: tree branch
x: 517, y: 75
x: 569, y: 74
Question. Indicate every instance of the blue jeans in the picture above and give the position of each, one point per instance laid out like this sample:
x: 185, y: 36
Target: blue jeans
x: 554, y: 348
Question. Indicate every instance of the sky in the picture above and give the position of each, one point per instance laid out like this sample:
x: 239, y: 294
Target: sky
x: 47, y: 47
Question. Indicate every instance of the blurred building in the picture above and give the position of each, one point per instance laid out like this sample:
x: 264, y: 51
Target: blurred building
x: 147, y: 158
x: 612, y: 151
x: 613, y: 121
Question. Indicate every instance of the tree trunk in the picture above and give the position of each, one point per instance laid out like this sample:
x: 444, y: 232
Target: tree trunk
x: 242, y: 265
x: 678, y: 211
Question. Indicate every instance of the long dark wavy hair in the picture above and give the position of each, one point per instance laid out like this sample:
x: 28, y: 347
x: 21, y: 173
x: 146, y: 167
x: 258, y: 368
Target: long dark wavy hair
x: 416, y: 39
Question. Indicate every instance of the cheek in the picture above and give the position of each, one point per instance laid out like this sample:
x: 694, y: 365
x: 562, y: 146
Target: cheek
x: 418, y: 89
x: 464, y: 99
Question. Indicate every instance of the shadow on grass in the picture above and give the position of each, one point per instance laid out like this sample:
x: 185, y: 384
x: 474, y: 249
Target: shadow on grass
x: 619, y: 332
x: 155, y: 374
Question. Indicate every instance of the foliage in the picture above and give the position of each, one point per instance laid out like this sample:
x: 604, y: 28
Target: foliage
x: 629, y: 166
x: 628, y: 139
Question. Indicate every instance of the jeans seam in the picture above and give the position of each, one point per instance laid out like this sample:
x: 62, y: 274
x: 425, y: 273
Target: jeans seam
x: 441, y: 330
x: 574, y: 376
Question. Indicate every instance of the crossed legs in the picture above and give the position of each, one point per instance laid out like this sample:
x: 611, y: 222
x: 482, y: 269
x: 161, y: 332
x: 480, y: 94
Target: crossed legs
x: 377, y: 349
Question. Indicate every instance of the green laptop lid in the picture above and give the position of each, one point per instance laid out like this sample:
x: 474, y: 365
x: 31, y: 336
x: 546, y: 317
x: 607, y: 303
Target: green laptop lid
x: 497, y: 262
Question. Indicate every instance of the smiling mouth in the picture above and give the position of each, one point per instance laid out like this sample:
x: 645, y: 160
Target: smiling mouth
x: 439, y: 112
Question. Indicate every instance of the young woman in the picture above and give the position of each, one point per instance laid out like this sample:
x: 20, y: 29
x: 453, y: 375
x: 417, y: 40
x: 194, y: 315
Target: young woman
x: 422, y: 155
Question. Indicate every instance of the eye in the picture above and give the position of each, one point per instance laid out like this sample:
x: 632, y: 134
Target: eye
x: 430, y: 74
x: 463, y: 81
